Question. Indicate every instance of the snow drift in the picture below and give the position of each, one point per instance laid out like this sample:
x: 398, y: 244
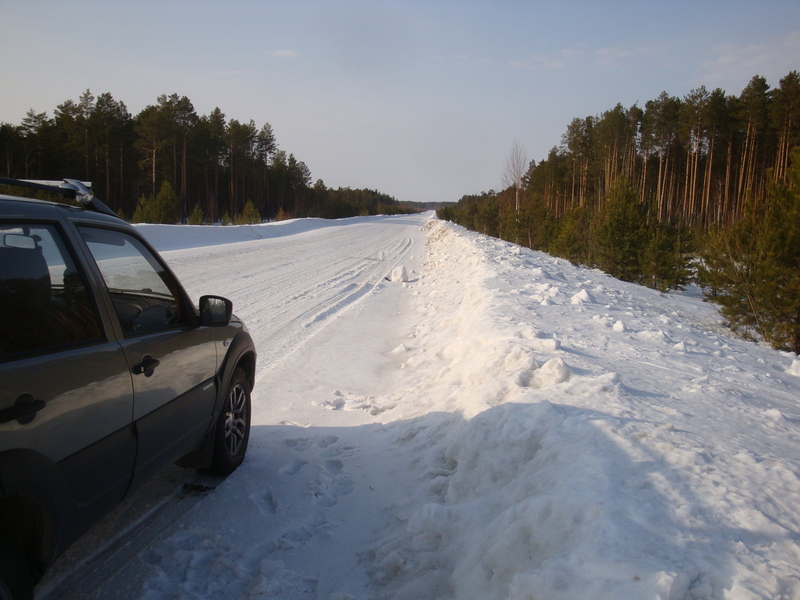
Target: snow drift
x: 606, y: 446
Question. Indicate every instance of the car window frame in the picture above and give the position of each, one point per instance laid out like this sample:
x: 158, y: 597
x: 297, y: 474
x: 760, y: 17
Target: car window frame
x: 189, y: 309
x: 88, y: 281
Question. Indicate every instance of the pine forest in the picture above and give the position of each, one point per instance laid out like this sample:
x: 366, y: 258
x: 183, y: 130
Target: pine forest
x: 704, y: 187
x: 168, y: 163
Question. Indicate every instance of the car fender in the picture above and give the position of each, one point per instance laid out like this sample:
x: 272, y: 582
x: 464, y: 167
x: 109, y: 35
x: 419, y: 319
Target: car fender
x: 240, y: 351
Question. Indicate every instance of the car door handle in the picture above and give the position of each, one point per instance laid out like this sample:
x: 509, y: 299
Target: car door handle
x: 24, y: 409
x: 146, y: 367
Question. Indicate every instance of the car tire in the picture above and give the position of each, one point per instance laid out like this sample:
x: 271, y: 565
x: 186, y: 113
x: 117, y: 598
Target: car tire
x: 16, y: 577
x: 232, y: 431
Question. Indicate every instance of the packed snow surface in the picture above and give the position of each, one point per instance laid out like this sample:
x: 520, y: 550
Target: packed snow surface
x: 442, y: 415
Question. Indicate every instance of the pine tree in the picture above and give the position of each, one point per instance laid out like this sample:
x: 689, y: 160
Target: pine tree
x: 144, y: 212
x: 487, y: 221
x: 665, y: 261
x: 572, y: 236
x: 621, y: 233
x: 752, y: 268
x: 249, y: 215
x: 164, y: 208
x: 196, y: 218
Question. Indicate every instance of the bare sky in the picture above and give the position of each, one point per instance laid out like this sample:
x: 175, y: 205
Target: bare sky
x: 421, y: 100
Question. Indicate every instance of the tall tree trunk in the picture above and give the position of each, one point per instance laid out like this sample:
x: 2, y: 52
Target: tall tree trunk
x: 108, y: 173
x: 184, y: 208
x: 154, y: 170
x: 730, y: 208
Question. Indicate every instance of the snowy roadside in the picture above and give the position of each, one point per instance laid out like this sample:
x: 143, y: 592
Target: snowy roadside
x: 501, y: 425
x: 601, y: 443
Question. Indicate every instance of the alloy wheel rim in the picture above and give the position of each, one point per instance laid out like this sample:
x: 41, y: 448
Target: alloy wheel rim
x: 235, y: 419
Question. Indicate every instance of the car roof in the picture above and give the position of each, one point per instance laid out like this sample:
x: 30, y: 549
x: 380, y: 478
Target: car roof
x: 20, y: 207
x: 70, y: 188
x: 22, y: 199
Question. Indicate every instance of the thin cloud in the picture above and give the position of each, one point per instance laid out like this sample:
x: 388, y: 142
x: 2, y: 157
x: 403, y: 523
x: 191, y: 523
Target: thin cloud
x: 468, y: 58
x: 284, y: 53
x: 610, y: 56
x: 543, y: 61
x: 730, y: 63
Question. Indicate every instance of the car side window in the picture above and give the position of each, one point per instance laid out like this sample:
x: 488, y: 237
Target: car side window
x: 145, y: 295
x: 44, y: 301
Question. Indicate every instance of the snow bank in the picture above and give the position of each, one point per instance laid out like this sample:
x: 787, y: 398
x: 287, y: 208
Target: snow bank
x: 577, y: 437
x: 180, y: 237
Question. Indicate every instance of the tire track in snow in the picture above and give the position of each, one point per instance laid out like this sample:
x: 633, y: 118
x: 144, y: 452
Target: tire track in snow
x: 286, y: 289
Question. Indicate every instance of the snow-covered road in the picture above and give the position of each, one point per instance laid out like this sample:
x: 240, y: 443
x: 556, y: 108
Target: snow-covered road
x: 501, y: 425
x: 290, y: 279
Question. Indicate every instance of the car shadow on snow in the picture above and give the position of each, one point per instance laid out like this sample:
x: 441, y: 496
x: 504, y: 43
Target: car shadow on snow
x: 539, y: 496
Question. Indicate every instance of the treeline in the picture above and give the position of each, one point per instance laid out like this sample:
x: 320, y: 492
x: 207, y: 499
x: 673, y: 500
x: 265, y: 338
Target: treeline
x: 649, y: 194
x: 211, y: 164
x: 423, y: 206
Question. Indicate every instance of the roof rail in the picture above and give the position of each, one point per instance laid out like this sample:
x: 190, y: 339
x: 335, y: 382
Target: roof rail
x: 69, y: 188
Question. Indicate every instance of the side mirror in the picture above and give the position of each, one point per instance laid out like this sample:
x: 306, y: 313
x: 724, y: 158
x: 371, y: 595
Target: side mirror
x: 215, y: 311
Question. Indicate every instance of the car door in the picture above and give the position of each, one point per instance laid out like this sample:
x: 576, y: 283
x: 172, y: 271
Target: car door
x: 171, y: 359
x: 65, y: 388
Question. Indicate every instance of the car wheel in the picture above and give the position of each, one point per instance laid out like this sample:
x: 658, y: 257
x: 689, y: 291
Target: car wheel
x: 233, y: 426
x: 16, y: 578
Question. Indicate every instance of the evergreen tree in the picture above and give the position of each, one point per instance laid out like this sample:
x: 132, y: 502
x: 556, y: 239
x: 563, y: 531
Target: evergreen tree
x: 196, y: 218
x: 112, y: 125
x: 150, y: 139
x: 36, y: 128
x: 536, y: 225
x: 572, y: 236
x: 487, y: 221
x: 249, y: 215
x: 11, y: 154
x: 786, y: 121
x: 164, y: 208
x: 752, y: 268
x: 665, y: 261
x: 621, y: 233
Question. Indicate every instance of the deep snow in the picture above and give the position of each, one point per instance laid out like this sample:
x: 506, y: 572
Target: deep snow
x: 439, y: 414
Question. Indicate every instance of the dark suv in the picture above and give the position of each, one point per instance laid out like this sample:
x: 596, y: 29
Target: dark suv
x: 108, y: 372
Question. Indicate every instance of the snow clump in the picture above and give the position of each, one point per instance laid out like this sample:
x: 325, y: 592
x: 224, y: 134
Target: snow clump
x: 399, y: 274
x: 794, y: 369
